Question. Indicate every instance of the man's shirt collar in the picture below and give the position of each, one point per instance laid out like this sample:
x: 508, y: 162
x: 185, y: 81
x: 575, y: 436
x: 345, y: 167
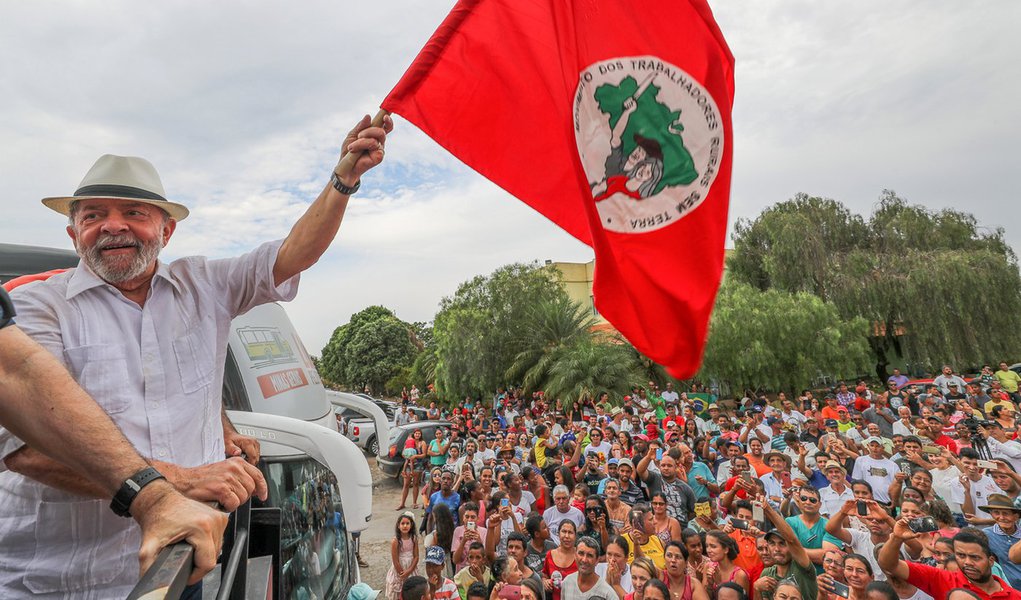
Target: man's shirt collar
x: 83, y: 279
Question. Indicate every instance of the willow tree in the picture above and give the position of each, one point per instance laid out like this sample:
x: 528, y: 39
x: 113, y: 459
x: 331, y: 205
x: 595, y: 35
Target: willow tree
x: 779, y: 340
x: 934, y: 286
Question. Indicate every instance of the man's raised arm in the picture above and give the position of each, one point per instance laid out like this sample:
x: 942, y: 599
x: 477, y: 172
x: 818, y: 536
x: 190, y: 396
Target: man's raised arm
x: 315, y: 230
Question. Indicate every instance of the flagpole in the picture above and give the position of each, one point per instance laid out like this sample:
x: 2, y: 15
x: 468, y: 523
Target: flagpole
x: 348, y: 162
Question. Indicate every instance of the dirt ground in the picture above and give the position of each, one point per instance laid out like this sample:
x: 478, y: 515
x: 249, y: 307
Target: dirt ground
x: 375, y: 541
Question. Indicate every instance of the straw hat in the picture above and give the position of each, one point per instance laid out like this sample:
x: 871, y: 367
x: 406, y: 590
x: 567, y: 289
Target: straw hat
x: 121, y: 178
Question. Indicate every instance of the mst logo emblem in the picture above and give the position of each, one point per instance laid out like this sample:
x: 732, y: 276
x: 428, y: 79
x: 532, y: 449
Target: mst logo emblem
x: 650, y: 139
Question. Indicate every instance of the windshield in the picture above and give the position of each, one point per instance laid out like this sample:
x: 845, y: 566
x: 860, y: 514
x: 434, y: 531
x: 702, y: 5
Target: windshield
x: 315, y: 559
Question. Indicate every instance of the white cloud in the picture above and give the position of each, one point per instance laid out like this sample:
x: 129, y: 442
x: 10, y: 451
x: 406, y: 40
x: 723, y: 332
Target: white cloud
x: 242, y: 106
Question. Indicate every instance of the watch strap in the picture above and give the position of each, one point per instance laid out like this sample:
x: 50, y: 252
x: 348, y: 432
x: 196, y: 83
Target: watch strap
x: 6, y: 309
x: 121, y: 503
x: 339, y: 185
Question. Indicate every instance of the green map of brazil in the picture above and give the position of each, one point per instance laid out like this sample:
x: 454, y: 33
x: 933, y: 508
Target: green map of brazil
x: 653, y: 120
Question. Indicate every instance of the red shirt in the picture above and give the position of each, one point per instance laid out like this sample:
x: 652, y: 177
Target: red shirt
x: 938, y: 583
x: 947, y: 443
x: 676, y: 419
x: 730, y: 485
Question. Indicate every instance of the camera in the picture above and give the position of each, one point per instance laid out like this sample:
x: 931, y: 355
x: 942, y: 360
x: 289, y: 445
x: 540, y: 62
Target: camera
x: 973, y: 424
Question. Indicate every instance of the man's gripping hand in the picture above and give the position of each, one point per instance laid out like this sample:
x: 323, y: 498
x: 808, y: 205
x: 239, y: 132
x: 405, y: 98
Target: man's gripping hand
x: 237, y: 444
x: 368, y: 143
x: 230, y: 482
x: 167, y: 517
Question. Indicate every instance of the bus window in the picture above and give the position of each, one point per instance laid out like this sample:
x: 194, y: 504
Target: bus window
x: 315, y: 557
x: 234, y: 395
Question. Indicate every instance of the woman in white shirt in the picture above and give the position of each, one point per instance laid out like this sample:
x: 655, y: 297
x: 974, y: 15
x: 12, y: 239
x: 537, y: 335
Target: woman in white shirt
x: 944, y: 477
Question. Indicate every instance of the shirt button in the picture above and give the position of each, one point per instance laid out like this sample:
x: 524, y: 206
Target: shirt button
x: 162, y: 452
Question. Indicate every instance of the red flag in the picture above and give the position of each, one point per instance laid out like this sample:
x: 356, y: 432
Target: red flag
x: 610, y: 118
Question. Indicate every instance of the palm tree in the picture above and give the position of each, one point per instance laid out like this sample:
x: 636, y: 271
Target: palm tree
x: 592, y: 367
x: 551, y: 325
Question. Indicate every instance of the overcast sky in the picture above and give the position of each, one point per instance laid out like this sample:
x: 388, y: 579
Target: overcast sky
x: 241, y: 107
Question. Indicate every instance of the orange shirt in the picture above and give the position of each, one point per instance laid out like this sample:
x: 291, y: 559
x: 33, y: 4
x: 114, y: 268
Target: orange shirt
x: 757, y: 464
x: 830, y: 413
x: 747, y: 555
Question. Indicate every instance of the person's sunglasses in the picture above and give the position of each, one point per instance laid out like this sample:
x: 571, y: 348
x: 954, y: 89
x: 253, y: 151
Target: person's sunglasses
x: 810, y: 499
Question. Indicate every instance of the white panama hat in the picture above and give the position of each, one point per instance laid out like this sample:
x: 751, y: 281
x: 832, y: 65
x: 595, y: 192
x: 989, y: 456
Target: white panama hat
x: 120, y: 177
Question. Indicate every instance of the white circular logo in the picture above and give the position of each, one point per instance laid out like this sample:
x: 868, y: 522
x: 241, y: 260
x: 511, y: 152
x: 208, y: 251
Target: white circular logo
x: 650, y: 138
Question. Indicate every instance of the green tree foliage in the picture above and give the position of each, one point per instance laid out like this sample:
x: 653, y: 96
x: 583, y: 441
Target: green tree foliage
x: 423, y: 370
x: 371, y: 349
x: 780, y: 341
x: 590, y: 367
x: 933, y: 285
x: 551, y: 325
x: 475, y: 330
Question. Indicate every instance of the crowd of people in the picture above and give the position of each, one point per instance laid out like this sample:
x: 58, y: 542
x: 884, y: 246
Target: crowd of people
x: 904, y: 492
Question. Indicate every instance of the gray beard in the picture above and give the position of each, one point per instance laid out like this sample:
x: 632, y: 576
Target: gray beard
x: 145, y: 256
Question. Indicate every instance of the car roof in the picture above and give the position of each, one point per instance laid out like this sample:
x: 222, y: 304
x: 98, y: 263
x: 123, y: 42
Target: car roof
x: 17, y: 260
x: 420, y: 424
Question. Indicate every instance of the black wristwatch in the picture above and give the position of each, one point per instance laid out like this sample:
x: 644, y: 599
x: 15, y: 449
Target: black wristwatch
x: 6, y: 309
x: 121, y: 503
x: 339, y: 185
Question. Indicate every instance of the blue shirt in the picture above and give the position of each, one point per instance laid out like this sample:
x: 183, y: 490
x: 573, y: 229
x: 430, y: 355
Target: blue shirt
x: 1000, y: 543
x: 701, y: 491
x: 453, y: 501
x: 812, y: 539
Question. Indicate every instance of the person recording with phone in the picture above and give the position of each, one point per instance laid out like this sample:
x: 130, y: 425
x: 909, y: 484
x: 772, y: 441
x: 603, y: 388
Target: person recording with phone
x: 638, y: 534
x: 973, y: 487
x: 974, y: 560
x: 791, y: 560
x: 744, y: 530
x: 858, y: 573
x: 1000, y: 445
x: 880, y: 525
x: 597, y: 523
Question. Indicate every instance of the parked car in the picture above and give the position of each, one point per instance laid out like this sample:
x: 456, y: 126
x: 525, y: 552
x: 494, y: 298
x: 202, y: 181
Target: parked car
x: 391, y: 462
x: 360, y: 419
x: 361, y: 429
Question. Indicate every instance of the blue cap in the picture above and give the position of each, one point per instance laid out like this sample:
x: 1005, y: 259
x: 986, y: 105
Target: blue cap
x: 362, y: 591
x: 434, y: 555
x: 612, y: 461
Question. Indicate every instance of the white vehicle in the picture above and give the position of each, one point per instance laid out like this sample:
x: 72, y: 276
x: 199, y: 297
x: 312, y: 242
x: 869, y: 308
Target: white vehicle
x: 319, y: 521
x: 365, y: 421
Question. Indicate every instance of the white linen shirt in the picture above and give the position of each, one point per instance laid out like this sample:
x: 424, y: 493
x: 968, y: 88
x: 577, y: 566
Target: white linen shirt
x: 157, y: 371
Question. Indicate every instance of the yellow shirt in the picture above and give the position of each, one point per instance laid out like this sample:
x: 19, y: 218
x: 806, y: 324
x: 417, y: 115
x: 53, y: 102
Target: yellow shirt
x: 993, y: 404
x: 652, y: 549
x: 540, y: 454
x: 1009, y: 380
